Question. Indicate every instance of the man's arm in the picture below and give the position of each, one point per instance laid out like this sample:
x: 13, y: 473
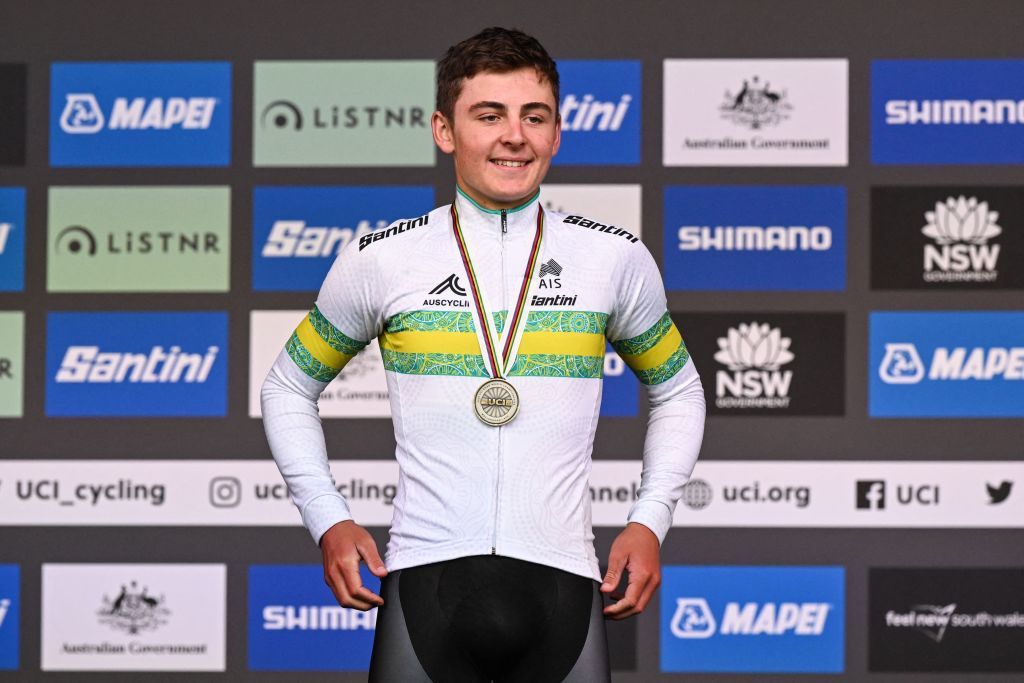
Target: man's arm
x: 345, y: 313
x: 675, y: 428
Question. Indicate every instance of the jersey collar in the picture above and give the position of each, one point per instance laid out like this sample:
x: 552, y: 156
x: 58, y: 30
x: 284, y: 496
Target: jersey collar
x: 519, y: 219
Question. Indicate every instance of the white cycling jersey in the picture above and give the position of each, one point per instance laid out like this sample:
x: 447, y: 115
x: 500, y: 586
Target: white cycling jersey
x: 467, y: 488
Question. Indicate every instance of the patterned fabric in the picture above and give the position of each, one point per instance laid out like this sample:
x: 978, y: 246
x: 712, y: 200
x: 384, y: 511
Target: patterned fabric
x: 666, y: 370
x: 307, y: 363
x: 334, y: 337
x: 646, y: 341
x: 472, y: 365
x: 326, y: 349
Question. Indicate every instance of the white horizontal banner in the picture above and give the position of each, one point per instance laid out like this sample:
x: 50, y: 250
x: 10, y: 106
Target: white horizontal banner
x: 720, y: 494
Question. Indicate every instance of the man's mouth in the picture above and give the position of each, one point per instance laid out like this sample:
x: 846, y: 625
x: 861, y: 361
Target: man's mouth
x: 509, y: 163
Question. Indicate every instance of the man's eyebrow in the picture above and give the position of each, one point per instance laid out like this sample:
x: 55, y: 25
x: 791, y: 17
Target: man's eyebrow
x: 529, y: 106
x: 488, y: 105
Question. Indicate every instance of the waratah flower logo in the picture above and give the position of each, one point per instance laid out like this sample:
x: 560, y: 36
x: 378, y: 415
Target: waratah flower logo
x: 754, y: 346
x: 961, y: 220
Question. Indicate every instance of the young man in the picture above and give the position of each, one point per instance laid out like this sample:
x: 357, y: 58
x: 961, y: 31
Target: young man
x: 495, y: 389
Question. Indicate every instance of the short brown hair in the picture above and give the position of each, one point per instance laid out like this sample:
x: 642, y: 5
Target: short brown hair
x: 494, y: 49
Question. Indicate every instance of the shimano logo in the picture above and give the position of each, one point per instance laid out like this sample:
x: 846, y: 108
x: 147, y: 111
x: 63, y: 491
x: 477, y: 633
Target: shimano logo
x: 693, y: 618
x: 755, y: 238
x: 89, y: 364
x: 82, y: 113
x: 902, y: 364
x: 586, y: 113
x: 943, y: 112
x: 317, y: 618
x: 5, y: 232
x: 295, y: 239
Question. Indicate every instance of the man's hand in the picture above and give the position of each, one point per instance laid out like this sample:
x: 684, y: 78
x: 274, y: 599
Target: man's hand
x: 636, y: 549
x: 343, y: 545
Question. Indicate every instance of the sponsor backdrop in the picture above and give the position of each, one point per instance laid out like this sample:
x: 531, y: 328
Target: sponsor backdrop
x: 841, y: 235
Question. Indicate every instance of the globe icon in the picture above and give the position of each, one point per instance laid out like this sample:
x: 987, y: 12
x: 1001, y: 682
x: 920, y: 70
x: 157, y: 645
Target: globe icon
x: 697, y: 494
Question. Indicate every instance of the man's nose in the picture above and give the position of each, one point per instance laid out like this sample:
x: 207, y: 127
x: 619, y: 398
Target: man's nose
x: 513, y: 133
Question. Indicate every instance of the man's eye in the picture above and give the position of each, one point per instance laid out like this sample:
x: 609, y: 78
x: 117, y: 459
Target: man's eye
x: 535, y: 119
x: 490, y: 118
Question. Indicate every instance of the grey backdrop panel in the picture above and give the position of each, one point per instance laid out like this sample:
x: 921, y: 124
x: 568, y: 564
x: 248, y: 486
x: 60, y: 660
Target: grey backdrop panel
x: 43, y: 31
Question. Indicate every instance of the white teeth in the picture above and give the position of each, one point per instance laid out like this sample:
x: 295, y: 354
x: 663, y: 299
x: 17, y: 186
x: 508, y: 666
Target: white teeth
x: 512, y: 164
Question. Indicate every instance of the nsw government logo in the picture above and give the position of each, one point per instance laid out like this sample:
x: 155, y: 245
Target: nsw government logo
x: 298, y: 232
x: 136, y: 364
x: 761, y: 369
x: 947, y: 237
x: 600, y: 111
x: 930, y: 111
x: 753, y: 619
x: 296, y: 624
x: 947, y: 364
x: 755, y: 238
x: 139, y: 114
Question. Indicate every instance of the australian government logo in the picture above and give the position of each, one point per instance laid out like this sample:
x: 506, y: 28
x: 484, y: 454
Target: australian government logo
x: 755, y: 112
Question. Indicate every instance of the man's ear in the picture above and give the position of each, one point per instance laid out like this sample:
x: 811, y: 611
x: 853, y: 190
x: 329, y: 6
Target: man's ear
x: 444, y: 136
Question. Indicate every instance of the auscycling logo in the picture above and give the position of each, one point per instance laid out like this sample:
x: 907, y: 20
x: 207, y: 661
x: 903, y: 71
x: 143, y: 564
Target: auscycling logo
x: 140, y: 114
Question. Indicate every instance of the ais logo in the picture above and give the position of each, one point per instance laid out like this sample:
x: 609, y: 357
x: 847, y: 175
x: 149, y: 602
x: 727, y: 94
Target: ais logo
x: 948, y: 364
x: 296, y: 624
x: 755, y: 238
x: 299, y: 231
x: 136, y: 364
x: 600, y: 111
x: 753, y: 619
x: 12, y: 239
x: 928, y: 111
x: 140, y: 114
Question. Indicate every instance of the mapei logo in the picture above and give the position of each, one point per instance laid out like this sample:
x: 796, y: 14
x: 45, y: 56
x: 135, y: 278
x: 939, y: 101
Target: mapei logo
x: 298, y: 232
x: 755, y: 238
x: 947, y: 364
x: 140, y: 114
x: 755, y: 354
x: 752, y: 619
x: 295, y: 622
x: 136, y: 364
x: 947, y: 111
x: 600, y: 112
x: 961, y: 228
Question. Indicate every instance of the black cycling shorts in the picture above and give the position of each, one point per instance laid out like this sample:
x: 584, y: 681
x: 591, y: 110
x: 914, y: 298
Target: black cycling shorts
x: 489, y: 618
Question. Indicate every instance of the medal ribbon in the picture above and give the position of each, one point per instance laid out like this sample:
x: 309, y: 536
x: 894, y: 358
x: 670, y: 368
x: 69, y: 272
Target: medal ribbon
x: 500, y: 364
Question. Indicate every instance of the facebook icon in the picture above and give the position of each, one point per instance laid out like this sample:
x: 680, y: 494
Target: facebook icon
x: 871, y: 495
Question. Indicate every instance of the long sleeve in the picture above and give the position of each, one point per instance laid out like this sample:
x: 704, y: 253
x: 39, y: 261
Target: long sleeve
x: 647, y: 339
x: 344, y: 319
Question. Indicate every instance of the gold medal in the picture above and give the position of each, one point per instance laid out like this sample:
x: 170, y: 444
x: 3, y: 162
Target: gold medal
x: 496, y: 402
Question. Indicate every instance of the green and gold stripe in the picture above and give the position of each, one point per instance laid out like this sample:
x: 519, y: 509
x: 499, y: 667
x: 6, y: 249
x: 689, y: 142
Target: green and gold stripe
x: 319, y: 348
x: 554, y: 344
x: 655, y: 355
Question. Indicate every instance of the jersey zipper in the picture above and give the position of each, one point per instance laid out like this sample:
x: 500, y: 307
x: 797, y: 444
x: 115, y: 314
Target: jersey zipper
x: 504, y: 307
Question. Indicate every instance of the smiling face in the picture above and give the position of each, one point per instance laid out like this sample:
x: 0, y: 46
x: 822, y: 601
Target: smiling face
x: 504, y: 133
